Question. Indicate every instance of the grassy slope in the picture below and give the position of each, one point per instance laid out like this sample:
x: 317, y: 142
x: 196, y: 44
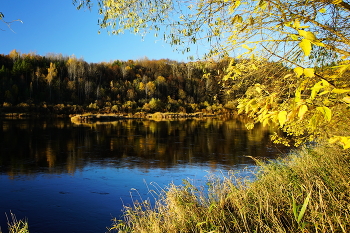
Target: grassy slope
x: 308, y: 191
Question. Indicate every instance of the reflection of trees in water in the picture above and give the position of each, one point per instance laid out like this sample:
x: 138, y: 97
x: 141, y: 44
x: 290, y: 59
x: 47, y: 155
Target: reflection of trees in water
x: 59, y: 146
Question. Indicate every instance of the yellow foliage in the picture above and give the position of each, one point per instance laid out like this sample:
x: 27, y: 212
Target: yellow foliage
x: 305, y: 45
x: 299, y: 71
x: 344, y: 141
x: 309, y: 72
x: 302, y: 110
x: 282, y: 117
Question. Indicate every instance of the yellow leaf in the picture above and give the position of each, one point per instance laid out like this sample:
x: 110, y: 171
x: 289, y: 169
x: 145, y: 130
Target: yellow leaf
x: 327, y: 113
x: 266, y: 122
x: 302, y: 110
x: 347, y: 99
x: 299, y: 71
x: 323, y: 10
x: 282, y: 117
x: 294, y: 37
x: 241, y: 106
x: 345, y: 141
x: 317, y: 87
x: 288, y: 24
x: 323, y: 93
x: 237, y: 19
x: 307, y: 35
x: 337, y: 1
x: 305, y: 45
x: 325, y: 83
x: 340, y: 91
x: 263, y: 5
x: 298, y: 95
x: 245, y: 46
x: 296, y: 24
x: 291, y: 115
x: 333, y: 139
x: 309, y: 72
x: 287, y: 76
x: 258, y: 89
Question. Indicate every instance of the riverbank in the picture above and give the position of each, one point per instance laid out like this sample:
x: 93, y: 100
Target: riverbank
x: 306, y: 191
x: 90, y: 118
x: 85, y: 117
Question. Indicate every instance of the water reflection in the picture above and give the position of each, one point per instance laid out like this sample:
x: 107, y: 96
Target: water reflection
x: 75, y: 178
x: 58, y: 146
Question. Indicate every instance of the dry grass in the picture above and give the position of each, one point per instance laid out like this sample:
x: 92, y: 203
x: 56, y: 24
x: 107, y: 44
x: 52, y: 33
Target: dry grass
x: 308, y: 191
x: 16, y: 226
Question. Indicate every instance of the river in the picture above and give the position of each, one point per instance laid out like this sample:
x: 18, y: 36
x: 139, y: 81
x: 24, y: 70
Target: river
x: 65, y: 177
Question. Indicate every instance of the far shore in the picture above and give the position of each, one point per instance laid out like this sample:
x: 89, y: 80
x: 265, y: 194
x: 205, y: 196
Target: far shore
x: 105, y: 117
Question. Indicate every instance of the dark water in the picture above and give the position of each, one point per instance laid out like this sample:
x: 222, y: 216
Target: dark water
x: 75, y: 178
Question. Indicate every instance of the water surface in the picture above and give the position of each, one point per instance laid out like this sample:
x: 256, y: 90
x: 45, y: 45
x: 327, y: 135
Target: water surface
x: 75, y: 178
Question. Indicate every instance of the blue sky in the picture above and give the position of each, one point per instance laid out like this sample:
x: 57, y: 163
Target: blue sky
x: 56, y: 26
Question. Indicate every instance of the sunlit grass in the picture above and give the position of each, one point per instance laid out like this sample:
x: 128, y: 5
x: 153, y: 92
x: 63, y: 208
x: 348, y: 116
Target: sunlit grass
x: 16, y: 226
x: 306, y: 191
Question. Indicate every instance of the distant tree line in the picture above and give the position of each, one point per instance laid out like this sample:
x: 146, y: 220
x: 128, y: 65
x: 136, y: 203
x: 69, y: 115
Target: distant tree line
x: 57, y: 82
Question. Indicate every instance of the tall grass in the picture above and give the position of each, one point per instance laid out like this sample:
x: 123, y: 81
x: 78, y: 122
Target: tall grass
x: 307, y: 191
x: 16, y: 226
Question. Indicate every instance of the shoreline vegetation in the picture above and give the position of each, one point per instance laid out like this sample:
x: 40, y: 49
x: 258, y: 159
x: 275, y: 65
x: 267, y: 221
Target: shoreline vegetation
x: 306, y: 191
x: 16, y: 226
x: 88, y: 117
x: 93, y: 117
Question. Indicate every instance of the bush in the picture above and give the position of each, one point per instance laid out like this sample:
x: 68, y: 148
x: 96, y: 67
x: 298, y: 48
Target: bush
x: 6, y: 105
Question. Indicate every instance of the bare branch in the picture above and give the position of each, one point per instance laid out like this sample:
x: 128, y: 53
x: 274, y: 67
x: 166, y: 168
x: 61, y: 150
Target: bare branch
x: 8, y: 24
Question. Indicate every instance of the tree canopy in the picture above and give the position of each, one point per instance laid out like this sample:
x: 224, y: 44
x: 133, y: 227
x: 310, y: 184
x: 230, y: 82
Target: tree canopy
x: 273, y: 25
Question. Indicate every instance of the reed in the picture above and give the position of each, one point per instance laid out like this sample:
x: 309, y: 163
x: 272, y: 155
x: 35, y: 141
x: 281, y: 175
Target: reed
x: 306, y: 191
x: 16, y: 226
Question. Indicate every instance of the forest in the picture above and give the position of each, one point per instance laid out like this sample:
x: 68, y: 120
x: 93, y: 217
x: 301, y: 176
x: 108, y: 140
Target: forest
x: 65, y: 84
x: 290, y: 69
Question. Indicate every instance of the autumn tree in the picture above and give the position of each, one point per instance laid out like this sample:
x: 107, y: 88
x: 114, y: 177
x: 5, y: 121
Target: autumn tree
x: 302, y: 35
x: 150, y: 88
x: 51, y: 74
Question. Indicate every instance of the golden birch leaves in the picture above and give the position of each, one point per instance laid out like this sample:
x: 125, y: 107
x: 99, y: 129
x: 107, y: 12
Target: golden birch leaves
x: 307, y: 35
x: 342, y: 140
x: 302, y: 110
x: 306, y: 38
x: 308, y: 72
x: 282, y: 118
x: 326, y: 112
x: 305, y: 45
x: 310, y: 112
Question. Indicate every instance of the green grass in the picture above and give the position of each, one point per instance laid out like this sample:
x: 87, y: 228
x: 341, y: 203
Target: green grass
x: 306, y: 191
